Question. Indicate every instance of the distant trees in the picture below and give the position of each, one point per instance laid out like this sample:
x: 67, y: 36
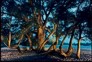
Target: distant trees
x: 32, y: 16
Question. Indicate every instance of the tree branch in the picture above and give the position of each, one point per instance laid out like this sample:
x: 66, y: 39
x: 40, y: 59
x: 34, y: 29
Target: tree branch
x: 48, y: 29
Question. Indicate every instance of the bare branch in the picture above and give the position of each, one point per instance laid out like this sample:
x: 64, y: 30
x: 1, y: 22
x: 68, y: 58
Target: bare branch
x: 48, y: 29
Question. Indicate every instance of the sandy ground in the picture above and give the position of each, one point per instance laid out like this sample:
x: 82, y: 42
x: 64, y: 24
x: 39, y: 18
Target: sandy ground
x: 8, y: 54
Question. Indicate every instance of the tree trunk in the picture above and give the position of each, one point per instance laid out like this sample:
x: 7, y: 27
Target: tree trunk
x: 51, y: 47
x: 60, y: 47
x: 45, y: 41
x: 17, y: 46
x: 41, y: 36
x: 55, y: 44
x: 78, y: 49
x: 9, y: 40
x: 29, y: 40
x: 70, y: 49
x: 19, y: 41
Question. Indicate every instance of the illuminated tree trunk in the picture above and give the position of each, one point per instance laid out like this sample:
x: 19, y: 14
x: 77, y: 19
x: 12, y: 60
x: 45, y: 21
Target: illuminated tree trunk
x: 41, y: 34
x: 78, y: 46
x: 70, y: 49
x: 45, y: 41
x: 9, y: 40
x: 78, y: 49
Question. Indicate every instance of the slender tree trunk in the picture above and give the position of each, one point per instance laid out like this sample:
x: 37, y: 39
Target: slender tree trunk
x: 70, y: 49
x: 78, y: 46
x: 55, y: 44
x: 60, y: 47
x: 17, y: 46
x: 19, y: 41
x: 51, y: 47
x: 78, y: 49
x: 30, y: 42
x: 9, y: 40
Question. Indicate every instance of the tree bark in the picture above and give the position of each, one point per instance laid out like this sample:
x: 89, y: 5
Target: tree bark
x: 78, y: 49
x: 9, y: 40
